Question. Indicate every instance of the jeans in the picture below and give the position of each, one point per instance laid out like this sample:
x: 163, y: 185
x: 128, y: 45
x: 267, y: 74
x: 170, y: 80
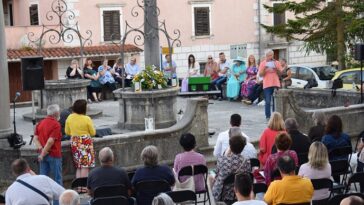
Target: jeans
x: 268, y: 98
x: 52, y: 165
x: 218, y: 82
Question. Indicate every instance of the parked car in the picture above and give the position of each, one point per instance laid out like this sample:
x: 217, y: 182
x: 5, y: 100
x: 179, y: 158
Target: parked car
x: 301, y: 74
x: 349, y: 76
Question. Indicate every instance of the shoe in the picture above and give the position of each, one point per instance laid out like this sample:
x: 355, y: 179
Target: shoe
x: 248, y: 102
x: 220, y: 98
x: 100, y: 100
x: 89, y: 101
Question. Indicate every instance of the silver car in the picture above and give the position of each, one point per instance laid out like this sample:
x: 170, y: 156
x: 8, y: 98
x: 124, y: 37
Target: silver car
x: 302, y: 73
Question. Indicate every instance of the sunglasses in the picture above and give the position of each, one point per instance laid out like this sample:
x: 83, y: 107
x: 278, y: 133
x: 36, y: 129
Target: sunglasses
x: 209, y: 58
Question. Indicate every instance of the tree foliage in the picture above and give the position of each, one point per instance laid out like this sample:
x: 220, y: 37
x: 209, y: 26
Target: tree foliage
x: 329, y: 28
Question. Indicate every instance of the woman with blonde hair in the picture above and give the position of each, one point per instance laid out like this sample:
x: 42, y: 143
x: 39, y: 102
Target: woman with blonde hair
x: 267, y: 139
x: 251, y: 78
x: 317, y: 167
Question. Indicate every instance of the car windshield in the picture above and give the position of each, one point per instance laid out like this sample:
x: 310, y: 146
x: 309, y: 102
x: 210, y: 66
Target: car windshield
x: 325, y: 72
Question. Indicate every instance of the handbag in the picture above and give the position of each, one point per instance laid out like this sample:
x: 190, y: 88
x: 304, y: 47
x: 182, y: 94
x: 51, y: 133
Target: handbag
x: 189, y: 184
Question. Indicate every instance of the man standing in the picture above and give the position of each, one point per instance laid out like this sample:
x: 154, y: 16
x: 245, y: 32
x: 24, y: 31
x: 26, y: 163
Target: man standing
x: 169, y: 68
x: 224, y: 66
x: 131, y: 70
x: 107, y: 174
x: 47, y: 138
x: 291, y: 189
x: 29, y: 188
x: 270, y: 70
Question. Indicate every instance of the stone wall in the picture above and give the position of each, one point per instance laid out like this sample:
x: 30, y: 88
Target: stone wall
x: 287, y: 103
x: 127, y: 147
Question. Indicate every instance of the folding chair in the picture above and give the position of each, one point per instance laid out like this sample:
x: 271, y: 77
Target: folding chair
x: 342, y: 152
x: 356, y: 178
x: 319, y: 184
x: 182, y: 196
x: 80, y: 184
x: 338, y: 198
x: 151, y: 188
x: 197, y: 169
x: 254, y: 162
x: 2, y: 199
x: 117, y: 200
x: 302, y: 158
x: 340, y: 168
x: 259, y: 188
x: 110, y: 191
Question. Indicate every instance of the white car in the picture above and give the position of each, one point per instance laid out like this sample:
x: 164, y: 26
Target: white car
x: 302, y: 73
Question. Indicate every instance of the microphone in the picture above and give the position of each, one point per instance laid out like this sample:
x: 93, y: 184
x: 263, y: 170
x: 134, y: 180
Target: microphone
x: 17, y: 94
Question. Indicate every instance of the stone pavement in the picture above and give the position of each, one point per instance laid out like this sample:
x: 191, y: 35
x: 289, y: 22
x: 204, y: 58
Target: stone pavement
x: 219, y: 112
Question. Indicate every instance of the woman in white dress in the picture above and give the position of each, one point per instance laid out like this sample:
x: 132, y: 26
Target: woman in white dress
x: 193, y: 71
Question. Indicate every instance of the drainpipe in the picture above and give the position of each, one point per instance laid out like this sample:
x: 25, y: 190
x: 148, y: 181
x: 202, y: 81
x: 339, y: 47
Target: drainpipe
x: 259, y: 31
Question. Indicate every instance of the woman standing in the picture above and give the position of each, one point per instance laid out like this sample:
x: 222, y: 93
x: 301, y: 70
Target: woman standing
x: 317, y: 167
x: 237, y: 74
x: 267, y: 139
x: 94, y: 89
x: 74, y: 71
x: 80, y: 127
x: 193, y: 71
x: 286, y: 74
x: 211, y: 68
x: 249, y: 83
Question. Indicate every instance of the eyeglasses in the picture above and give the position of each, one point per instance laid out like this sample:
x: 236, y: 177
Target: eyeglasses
x: 209, y: 58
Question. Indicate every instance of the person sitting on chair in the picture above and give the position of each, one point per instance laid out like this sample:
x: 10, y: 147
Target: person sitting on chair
x: 243, y: 187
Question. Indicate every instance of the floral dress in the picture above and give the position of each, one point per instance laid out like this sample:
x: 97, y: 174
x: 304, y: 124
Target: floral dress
x: 248, y: 85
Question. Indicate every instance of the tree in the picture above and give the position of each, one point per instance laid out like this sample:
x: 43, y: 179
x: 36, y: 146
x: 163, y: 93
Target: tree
x: 325, y: 27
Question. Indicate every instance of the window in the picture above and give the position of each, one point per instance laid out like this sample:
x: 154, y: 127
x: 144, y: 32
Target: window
x: 305, y: 74
x: 202, y: 67
x: 278, y: 18
x: 33, y: 13
x: 111, y: 25
x: 202, y: 21
x: 349, y: 77
x: 294, y: 72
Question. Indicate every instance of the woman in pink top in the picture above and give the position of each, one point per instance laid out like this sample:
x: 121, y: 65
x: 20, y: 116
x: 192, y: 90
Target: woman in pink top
x: 270, y: 69
x: 188, y: 158
x: 267, y: 139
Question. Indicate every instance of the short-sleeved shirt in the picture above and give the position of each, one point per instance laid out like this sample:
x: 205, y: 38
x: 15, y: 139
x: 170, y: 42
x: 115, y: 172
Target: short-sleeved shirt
x: 289, y: 190
x: 132, y: 69
x: 18, y: 194
x: 266, y: 143
x: 224, y: 65
x: 271, y: 78
x: 168, y: 73
x: 271, y: 163
x: 158, y: 172
x: 94, y: 83
x: 107, y: 77
x: 107, y: 175
x: 79, y: 125
x: 49, y: 127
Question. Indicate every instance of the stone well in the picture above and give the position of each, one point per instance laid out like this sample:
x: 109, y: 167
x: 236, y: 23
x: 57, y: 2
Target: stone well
x: 61, y: 92
x: 136, y: 106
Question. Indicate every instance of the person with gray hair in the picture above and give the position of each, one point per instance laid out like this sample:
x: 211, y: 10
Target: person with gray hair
x: 151, y: 171
x: 300, y: 142
x: 318, y: 130
x: 69, y: 197
x: 249, y: 150
x: 107, y: 174
x: 162, y: 199
x: 47, y: 138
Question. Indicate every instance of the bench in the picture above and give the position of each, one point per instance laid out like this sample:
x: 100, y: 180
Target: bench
x: 199, y: 93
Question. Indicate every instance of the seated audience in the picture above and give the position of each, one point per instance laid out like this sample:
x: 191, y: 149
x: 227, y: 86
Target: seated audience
x: 74, y: 71
x: 249, y: 150
x: 151, y: 171
x: 222, y: 142
x: 106, y: 76
x: 69, y: 197
x: 162, y: 199
x: 267, y: 139
x: 243, y: 187
x: 94, y: 89
x: 317, y: 167
x: 211, y: 68
x: 335, y: 137
x: 107, y: 174
x: 300, y: 142
x: 292, y: 188
x: 231, y: 163
x: 352, y: 200
x: 188, y: 158
x: 283, y: 143
x: 19, y: 192
x: 316, y: 132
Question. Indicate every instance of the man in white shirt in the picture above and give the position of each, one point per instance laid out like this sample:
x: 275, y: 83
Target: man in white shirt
x: 29, y: 188
x: 224, y: 66
x: 131, y: 70
x: 243, y: 188
x: 222, y: 142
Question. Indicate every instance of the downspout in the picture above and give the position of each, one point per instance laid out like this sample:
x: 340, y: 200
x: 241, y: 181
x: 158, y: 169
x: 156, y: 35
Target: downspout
x: 259, y: 31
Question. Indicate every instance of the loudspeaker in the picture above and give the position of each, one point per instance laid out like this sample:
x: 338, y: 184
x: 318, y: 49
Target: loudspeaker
x: 32, y: 73
x: 359, y: 52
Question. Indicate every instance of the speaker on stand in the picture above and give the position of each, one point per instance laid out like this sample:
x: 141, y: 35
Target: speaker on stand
x: 33, y: 79
x: 359, y: 55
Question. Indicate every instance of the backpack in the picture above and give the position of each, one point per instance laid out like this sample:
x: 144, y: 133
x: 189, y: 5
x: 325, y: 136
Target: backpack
x: 337, y: 83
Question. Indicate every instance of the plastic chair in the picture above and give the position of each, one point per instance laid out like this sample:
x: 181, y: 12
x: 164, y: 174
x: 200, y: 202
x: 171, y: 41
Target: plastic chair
x: 182, y: 196
x: 260, y: 188
x: 80, y: 184
x: 254, y: 162
x: 110, y: 191
x: 196, y: 170
x: 2, y: 199
x: 318, y: 184
x: 356, y: 178
x: 338, y: 198
x: 117, y: 200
